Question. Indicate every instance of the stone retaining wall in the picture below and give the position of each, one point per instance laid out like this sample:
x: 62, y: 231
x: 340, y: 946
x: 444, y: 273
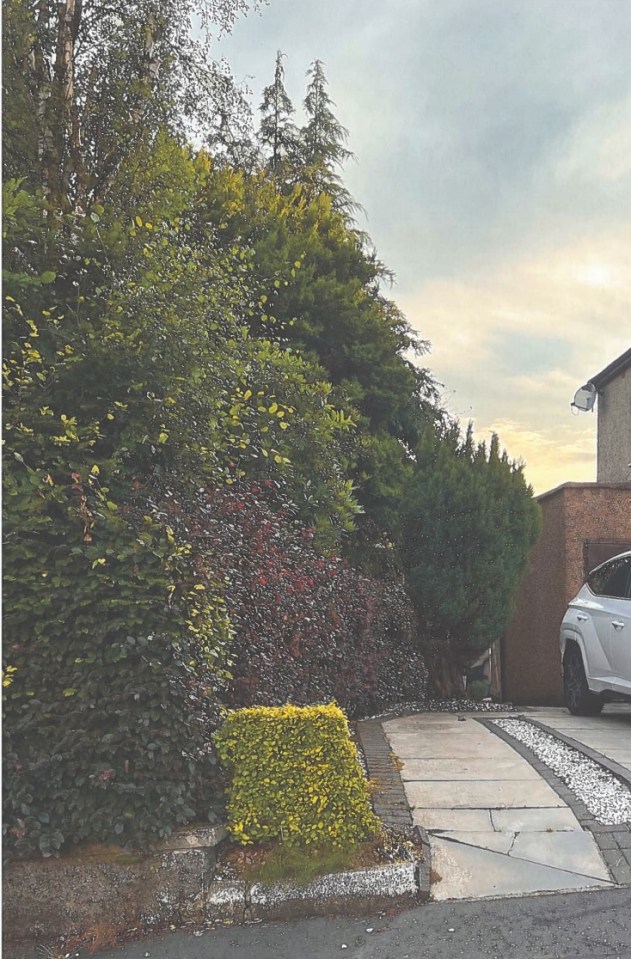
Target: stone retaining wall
x: 46, y: 899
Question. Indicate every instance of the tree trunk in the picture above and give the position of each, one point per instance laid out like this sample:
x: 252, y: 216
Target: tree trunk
x: 44, y: 88
x: 446, y: 669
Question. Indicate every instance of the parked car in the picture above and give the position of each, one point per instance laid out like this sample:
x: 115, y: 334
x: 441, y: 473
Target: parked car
x: 596, y: 639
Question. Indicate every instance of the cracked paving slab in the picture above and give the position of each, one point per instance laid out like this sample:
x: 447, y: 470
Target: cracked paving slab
x: 468, y: 872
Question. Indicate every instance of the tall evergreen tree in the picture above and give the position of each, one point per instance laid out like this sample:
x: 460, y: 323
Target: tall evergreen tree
x: 277, y: 133
x: 468, y: 521
x: 323, y: 142
x: 327, y: 304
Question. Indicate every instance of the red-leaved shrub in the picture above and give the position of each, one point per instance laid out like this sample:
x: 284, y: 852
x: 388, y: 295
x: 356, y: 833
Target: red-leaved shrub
x: 307, y: 628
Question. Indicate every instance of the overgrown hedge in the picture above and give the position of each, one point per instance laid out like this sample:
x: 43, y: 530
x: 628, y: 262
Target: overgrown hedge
x: 114, y: 638
x: 294, y: 775
x: 116, y: 626
x: 308, y: 628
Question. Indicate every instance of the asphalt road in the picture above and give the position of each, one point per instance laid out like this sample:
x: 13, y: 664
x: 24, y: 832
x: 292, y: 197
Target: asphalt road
x: 591, y: 925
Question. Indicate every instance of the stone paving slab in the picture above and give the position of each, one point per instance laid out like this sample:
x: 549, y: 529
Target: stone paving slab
x: 468, y: 872
x: 534, y: 820
x: 495, y: 841
x: 489, y: 794
x: 417, y: 746
x: 445, y: 729
x: 421, y: 721
x: 456, y: 770
x: 572, y: 851
x: 440, y: 819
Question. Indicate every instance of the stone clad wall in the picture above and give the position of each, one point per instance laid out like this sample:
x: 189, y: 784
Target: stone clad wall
x: 614, y: 430
x: 572, y: 515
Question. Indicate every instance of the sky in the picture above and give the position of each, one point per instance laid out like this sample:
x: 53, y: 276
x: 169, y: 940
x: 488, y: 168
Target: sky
x: 493, y: 159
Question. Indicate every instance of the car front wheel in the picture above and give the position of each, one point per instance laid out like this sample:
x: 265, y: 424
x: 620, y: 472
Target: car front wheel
x: 579, y: 699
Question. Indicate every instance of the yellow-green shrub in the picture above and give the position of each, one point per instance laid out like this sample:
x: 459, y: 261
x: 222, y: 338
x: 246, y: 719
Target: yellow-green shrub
x: 295, y: 776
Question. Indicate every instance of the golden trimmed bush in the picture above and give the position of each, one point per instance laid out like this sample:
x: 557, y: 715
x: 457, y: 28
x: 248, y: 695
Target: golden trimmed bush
x: 294, y: 776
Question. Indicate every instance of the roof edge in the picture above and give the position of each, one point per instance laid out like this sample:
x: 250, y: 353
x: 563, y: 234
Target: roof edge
x: 619, y: 365
x: 564, y: 486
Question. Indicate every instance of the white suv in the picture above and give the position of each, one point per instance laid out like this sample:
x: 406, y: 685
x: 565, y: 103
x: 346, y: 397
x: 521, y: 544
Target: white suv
x: 596, y: 639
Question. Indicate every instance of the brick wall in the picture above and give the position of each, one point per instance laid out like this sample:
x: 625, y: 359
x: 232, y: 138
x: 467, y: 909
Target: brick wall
x: 572, y: 516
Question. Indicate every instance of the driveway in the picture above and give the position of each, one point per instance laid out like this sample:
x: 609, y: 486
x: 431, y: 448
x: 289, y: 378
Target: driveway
x: 608, y: 734
x: 496, y: 827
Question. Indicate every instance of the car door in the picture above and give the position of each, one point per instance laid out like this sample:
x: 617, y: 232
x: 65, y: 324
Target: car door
x: 620, y: 636
x: 594, y: 616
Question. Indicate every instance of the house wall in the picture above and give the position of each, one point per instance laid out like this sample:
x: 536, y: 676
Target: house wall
x: 614, y: 430
x: 572, y: 516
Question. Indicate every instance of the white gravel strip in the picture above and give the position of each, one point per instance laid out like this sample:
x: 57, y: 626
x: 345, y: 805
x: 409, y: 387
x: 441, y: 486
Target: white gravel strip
x: 445, y: 706
x: 606, y: 797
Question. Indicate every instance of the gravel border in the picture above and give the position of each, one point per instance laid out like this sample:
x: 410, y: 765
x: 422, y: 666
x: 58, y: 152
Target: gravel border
x: 607, y: 797
x: 400, y: 710
x: 614, y: 842
x: 615, y: 768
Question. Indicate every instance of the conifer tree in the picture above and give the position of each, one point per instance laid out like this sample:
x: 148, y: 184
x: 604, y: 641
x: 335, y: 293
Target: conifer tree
x: 323, y: 142
x: 277, y: 133
x: 468, y: 521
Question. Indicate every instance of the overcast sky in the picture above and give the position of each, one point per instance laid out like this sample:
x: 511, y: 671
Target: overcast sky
x: 493, y: 146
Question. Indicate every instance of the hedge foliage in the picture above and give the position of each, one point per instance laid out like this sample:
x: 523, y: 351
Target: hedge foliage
x: 114, y: 624
x: 295, y: 776
x: 308, y: 628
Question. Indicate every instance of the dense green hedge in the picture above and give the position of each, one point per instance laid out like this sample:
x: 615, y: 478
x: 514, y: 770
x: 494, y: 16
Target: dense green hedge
x: 113, y: 677
x: 295, y: 776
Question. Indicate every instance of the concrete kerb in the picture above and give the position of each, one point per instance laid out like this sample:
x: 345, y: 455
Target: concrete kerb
x: 354, y: 893
x: 616, y: 854
x: 424, y: 864
x: 180, y: 888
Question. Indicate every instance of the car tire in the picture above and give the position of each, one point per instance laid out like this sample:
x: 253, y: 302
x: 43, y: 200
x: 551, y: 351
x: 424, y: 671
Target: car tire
x: 579, y: 699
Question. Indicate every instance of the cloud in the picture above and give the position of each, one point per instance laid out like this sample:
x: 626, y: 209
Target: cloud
x: 514, y: 344
x: 577, y: 295
x: 551, y: 456
x: 598, y: 149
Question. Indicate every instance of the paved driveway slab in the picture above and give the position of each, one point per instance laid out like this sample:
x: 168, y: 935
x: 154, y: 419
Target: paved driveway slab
x: 534, y: 820
x: 488, y: 794
x: 609, y: 733
x: 418, y: 770
x: 437, y: 820
x: 494, y: 841
x: 496, y: 827
x: 415, y: 747
x: 574, y: 851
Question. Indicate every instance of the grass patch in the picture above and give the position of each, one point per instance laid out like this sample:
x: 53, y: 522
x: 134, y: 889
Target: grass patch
x: 275, y: 861
x: 282, y: 862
